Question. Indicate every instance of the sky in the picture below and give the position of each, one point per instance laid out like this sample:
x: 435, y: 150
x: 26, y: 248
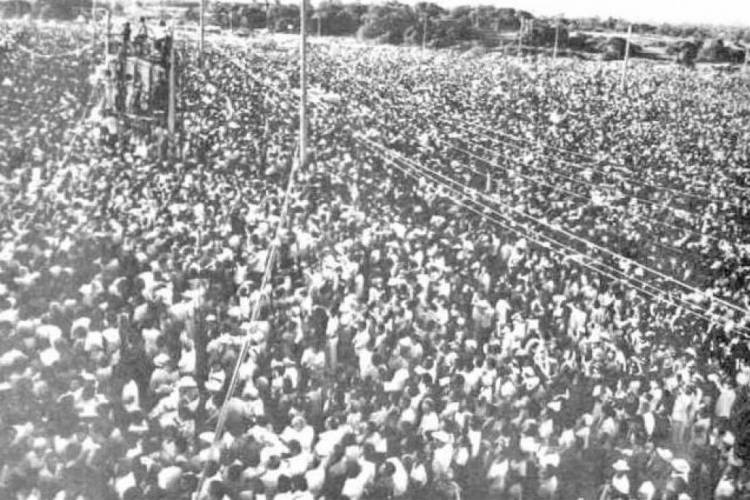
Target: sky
x: 722, y: 12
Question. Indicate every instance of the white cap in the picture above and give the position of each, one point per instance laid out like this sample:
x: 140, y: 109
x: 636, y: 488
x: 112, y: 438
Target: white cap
x: 187, y: 383
x: 621, y: 466
x: 161, y: 360
x: 681, y: 466
x: 441, y: 436
x: 665, y: 454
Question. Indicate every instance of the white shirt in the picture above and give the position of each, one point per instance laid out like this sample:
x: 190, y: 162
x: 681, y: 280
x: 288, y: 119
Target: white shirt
x: 304, y: 437
x: 442, y: 459
x: 725, y: 401
x: 429, y: 422
x: 315, y: 479
x: 398, y: 382
x: 502, y: 307
x: 353, y: 488
x: 681, y: 409
x: 400, y: 477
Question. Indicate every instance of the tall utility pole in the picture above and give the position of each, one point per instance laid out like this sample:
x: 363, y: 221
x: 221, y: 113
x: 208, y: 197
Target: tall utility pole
x: 520, y: 35
x: 557, y: 39
x: 203, y: 31
x: 172, y: 90
x: 303, y: 83
x: 625, y: 57
x: 93, y: 27
x: 109, y: 34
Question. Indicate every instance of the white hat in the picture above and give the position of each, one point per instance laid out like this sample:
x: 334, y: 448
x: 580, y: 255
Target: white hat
x: 161, y: 360
x: 187, y: 382
x: 214, y: 385
x: 681, y: 466
x: 49, y: 357
x: 531, y: 383
x: 139, y: 429
x: 555, y: 406
x: 50, y: 332
x: 206, y: 437
x: 551, y: 460
x: 665, y: 454
x: 621, y: 466
x: 169, y: 478
x: 441, y: 436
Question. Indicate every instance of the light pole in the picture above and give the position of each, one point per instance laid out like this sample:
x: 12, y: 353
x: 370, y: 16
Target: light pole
x: 202, y: 28
x: 303, y: 83
x: 557, y: 39
x: 625, y: 58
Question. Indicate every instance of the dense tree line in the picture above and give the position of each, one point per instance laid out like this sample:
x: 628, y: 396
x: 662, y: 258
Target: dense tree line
x: 48, y: 9
x: 398, y: 23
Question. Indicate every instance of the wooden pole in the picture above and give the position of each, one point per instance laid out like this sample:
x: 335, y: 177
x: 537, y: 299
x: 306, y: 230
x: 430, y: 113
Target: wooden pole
x: 424, y: 33
x: 320, y: 30
x: 268, y: 19
x: 520, y: 35
x: 303, y: 84
x: 531, y: 31
x: 93, y: 26
x: 202, y: 28
x: 557, y: 40
x: 172, y: 90
x: 109, y: 34
x: 625, y: 58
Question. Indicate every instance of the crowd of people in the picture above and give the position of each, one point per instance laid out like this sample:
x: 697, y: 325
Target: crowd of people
x: 406, y: 346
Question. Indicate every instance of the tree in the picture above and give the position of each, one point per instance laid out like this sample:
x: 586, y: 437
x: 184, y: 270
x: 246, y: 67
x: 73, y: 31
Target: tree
x: 335, y: 19
x: 430, y: 9
x: 284, y: 17
x: 62, y: 9
x: 252, y: 16
x: 15, y: 8
x: 388, y: 22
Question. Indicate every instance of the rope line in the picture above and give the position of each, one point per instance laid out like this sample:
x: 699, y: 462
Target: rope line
x: 627, y: 279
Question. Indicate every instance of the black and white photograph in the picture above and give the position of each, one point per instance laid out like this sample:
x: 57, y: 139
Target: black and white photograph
x: 374, y: 250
